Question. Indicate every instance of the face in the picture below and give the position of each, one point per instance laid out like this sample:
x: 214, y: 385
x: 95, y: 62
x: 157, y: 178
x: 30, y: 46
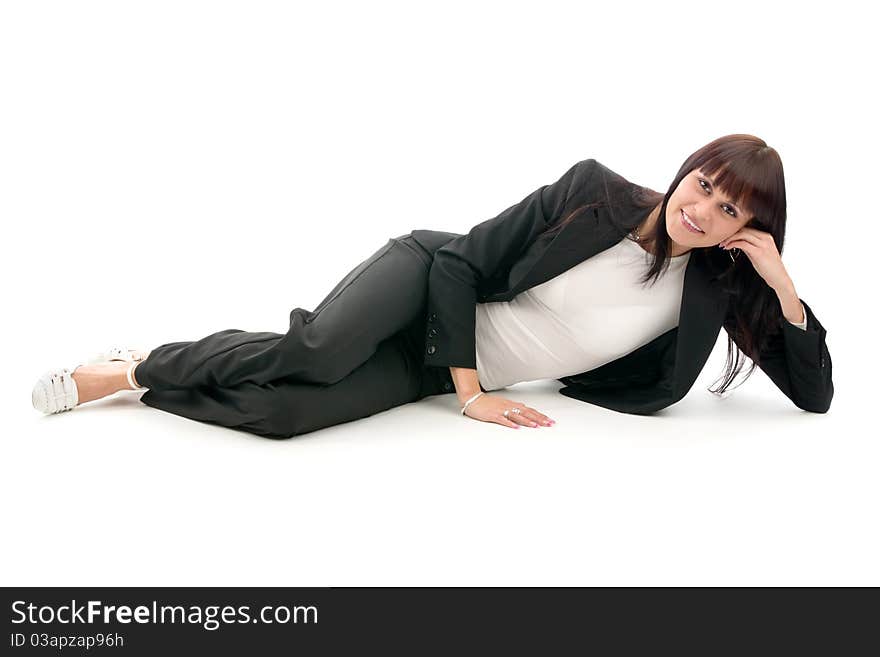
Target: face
x: 707, y: 207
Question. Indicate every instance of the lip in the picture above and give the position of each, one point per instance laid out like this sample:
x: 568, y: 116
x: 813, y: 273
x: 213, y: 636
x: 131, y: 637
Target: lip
x: 688, y: 226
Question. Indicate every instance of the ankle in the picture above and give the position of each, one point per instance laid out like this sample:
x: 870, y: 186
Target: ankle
x: 131, y: 380
x: 117, y: 377
x: 94, y: 382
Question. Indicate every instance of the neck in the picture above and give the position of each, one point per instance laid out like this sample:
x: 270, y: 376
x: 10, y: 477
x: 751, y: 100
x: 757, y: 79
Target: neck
x: 647, y: 227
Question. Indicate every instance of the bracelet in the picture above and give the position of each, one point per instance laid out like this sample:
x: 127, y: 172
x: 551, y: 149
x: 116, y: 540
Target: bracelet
x: 469, y: 401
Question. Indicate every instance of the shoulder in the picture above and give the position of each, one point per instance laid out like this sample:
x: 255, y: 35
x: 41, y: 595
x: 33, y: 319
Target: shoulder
x: 612, y: 179
x: 596, y: 182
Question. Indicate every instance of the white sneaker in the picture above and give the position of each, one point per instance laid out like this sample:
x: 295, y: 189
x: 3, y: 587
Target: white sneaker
x: 55, y: 391
x: 118, y: 353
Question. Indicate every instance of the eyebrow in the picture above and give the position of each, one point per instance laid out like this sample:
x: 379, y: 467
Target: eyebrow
x: 712, y: 182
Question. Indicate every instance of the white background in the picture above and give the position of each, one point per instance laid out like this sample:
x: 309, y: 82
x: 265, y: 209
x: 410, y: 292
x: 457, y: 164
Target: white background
x: 171, y: 169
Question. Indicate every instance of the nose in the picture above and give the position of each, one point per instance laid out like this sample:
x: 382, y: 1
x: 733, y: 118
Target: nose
x: 701, y: 210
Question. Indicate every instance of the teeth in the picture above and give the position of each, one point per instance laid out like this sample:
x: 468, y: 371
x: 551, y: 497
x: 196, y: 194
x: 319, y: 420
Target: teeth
x: 689, y: 222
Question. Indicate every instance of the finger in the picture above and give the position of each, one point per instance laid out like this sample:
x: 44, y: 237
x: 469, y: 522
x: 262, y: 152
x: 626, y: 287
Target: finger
x: 532, y: 416
x: 731, y: 240
x: 758, y: 239
x: 749, y: 230
x: 522, y: 417
x: 537, y: 416
x: 527, y: 420
x: 750, y: 249
x: 742, y: 233
x: 519, y: 418
x: 500, y: 419
x: 735, y: 236
x: 541, y: 418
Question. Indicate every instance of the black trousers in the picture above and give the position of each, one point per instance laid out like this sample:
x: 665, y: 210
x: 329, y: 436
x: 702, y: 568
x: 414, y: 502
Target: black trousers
x: 359, y: 352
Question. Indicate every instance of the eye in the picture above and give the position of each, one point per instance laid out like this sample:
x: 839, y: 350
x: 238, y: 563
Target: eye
x: 732, y: 212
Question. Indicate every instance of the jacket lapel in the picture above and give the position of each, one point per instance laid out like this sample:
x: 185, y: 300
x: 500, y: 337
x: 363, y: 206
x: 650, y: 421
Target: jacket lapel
x: 546, y: 258
x: 703, y: 303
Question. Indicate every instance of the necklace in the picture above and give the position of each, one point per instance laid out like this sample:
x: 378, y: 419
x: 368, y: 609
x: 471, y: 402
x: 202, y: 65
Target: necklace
x: 634, y: 234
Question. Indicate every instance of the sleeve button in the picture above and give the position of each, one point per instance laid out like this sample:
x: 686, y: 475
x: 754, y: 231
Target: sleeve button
x: 432, y: 317
x: 447, y: 386
x: 432, y: 333
x: 431, y: 350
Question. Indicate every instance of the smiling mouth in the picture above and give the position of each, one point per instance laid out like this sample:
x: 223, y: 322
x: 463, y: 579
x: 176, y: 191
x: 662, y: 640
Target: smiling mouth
x: 690, y: 225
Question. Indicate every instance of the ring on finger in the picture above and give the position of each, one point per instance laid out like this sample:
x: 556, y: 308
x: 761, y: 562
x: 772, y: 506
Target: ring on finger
x: 511, y: 410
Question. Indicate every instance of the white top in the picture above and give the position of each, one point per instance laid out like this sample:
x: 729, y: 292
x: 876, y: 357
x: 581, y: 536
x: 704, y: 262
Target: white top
x: 589, y: 315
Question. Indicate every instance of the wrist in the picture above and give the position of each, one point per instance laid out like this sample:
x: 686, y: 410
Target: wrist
x: 470, y: 401
x: 790, y: 304
x: 464, y: 395
x: 785, y: 289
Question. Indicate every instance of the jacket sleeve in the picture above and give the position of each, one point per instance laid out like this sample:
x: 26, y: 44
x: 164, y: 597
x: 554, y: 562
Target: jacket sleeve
x: 797, y: 361
x: 490, y: 247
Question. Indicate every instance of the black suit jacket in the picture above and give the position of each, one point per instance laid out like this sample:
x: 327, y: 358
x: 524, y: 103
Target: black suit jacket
x: 505, y: 255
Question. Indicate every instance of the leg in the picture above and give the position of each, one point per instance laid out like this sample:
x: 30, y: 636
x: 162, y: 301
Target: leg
x: 374, y: 301
x: 94, y: 381
x: 392, y: 376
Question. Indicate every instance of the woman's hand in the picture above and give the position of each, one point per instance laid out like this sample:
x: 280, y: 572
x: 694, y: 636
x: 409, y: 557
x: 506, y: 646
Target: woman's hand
x: 491, y: 409
x: 760, y: 248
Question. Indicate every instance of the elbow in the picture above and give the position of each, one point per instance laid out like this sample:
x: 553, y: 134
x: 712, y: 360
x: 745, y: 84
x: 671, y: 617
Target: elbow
x: 815, y: 408
x: 817, y: 404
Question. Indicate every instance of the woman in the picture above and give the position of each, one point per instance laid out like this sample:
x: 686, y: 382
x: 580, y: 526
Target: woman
x: 615, y: 290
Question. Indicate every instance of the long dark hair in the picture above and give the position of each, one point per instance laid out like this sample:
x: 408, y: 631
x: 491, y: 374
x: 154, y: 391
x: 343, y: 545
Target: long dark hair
x: 750, y: 173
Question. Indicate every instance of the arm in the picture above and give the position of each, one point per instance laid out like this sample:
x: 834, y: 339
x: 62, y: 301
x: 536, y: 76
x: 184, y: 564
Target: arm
x: 802, y: 325
x: 467, y: 383
x: 797, y: 361
x: 489, y: 247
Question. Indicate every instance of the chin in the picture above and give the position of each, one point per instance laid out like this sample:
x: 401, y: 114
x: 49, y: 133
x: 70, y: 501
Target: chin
x: 684, y: 237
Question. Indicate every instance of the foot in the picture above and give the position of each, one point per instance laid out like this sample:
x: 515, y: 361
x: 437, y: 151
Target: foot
x: 119, y: 353
x: 98, y: 380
